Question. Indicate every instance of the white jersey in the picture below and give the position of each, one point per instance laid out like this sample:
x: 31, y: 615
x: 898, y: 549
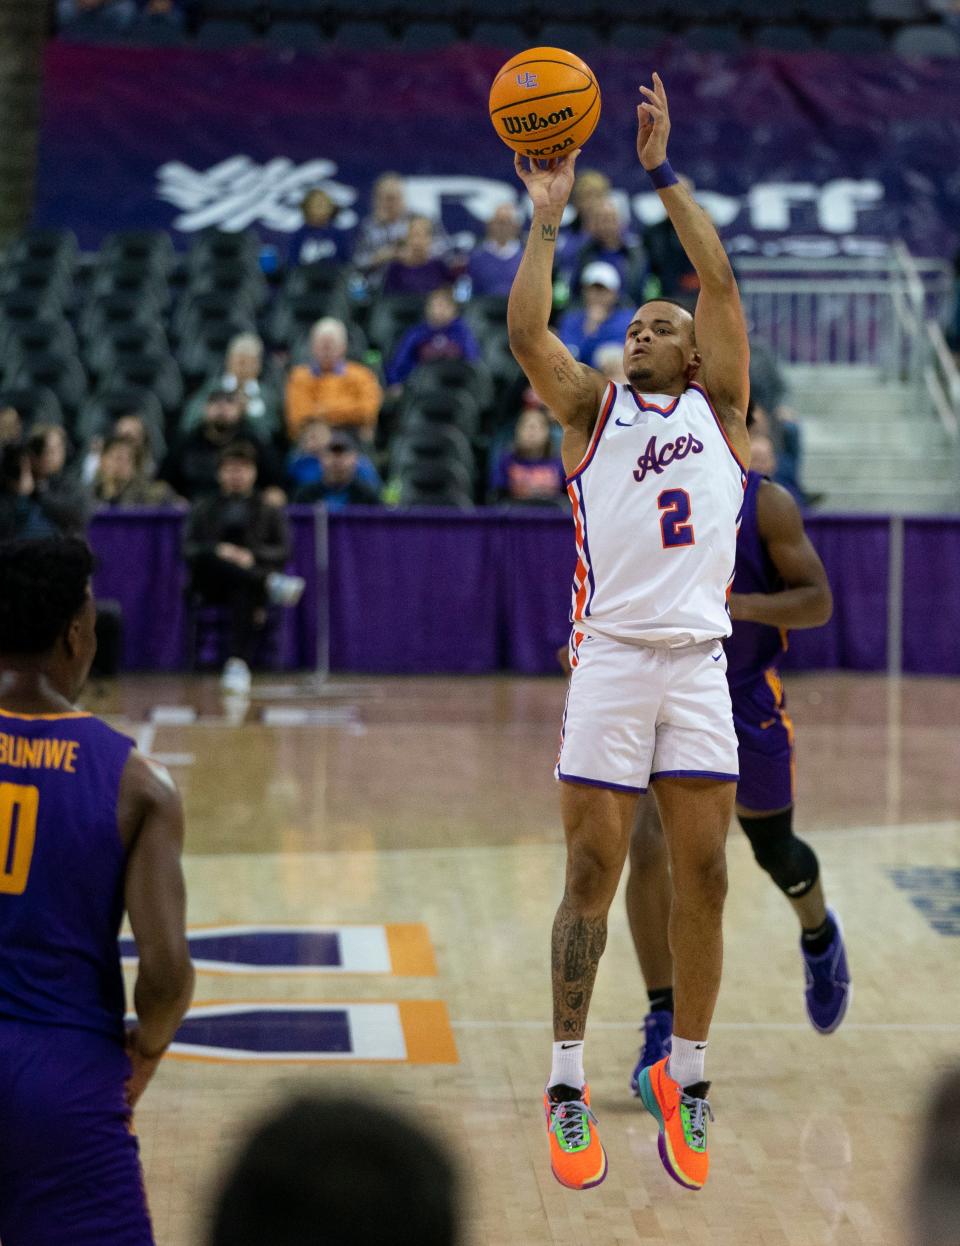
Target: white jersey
x: 656, y: 506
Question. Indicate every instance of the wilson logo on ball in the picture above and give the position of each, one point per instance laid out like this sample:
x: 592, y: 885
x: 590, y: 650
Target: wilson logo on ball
x: 531, y: 122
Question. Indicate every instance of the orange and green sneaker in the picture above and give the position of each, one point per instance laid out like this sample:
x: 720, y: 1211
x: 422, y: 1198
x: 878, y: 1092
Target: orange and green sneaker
x: 577, y: 1157
x: 681, y: 1113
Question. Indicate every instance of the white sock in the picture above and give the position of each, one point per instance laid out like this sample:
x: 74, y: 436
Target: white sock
x: 686, y: 1061
x: 567, y: 1067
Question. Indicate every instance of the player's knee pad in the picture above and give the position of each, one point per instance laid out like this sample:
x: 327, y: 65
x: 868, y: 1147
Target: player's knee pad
x: 790, y: 862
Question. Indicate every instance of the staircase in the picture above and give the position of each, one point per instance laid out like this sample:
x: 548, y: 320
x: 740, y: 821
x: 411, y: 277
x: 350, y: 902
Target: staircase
x: 871, y: 445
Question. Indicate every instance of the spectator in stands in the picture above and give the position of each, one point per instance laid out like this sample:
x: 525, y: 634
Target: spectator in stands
x: 340, y: 484
x: 191, y: 465
x: 493, y: 264
x: 589, y: 186
x: 331, y: 387
x: 416, y: 269
x: 22, y: 513
x: 608, y: 242
x: 442, y: 334
x: 133, y: 427
x: 236, y: 545
x: 305, y: 464
x: 389, y: 1182
x: 11, y: 425
x: 765, y: 458
x: 318, y: 240
x: 242, y: 369
x: 382, y: 232
x: 121, y: 481
x: 933, y: 1204
x: 600, y: 319
x: 531, y: 470
x: 62, y: 497
x: 675, y: 274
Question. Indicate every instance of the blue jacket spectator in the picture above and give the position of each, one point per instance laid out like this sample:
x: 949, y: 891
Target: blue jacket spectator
x: 305, y: 464
x: 341, y: 484
x: 440, y: 335
x: 599, y: 320
x: 494, y: 263
x: 417, y: 268
x: 318, y: 238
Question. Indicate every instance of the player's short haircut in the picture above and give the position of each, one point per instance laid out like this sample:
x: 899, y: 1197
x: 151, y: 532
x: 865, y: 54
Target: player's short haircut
x: 341, y: 1170
x: 43, y: 585
x: 683, y: 307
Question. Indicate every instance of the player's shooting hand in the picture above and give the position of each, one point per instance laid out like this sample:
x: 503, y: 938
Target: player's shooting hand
x: 653, y: 121
x: 142, y: 1068
x: 548, y: 187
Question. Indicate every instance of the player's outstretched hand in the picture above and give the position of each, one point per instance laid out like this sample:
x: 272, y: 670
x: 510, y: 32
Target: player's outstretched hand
x: 548, y: 187
x: 653, y: 121
x: 142, y: 1068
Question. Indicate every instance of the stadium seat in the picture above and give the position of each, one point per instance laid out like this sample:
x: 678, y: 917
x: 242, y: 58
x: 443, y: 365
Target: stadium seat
x: 295, y: 36
x: 109, y: 351
x: 291, y: 318
x: 40, y: 276
x: 202, y: 351
x: 713, y: 39
x: 784, y: 38
x: 452, y: 375
x: 246, y: 286
x: 35, y: 404
x: 220, y: 246
x: 927, y: 41
x: 585, y: 38
x: 130, y: 277
x: 437, y: 484
x: 38, y: 337
x: 390, y: 317
x: 629, y: 35
x: 834, y: 12
x: 200, y: 311
x: 150, y: 248
x: 64, y: 376
x: 160, y: 375
x: 898, y: 10
x: 323, y: 277
x: 857, y: 40
x: 506, y: 35
x: 219, y: 33
x: 364, y: 36
x: 769, y: 10
x: 427, y: 36
x: 433, y: 443
x: 57, y: 247
x: 102, y: 314
x: 457, y: 408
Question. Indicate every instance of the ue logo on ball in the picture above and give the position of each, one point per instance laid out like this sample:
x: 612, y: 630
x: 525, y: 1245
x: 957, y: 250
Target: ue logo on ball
x: 527, y: 80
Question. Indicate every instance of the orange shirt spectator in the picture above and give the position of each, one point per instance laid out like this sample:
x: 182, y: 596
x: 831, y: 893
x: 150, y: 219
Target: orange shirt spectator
x: 331, y: 387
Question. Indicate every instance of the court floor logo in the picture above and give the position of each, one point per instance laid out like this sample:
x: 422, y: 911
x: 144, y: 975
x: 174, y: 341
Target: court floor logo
x: 935, y: 892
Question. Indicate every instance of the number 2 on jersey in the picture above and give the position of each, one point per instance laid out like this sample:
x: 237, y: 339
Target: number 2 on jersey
x: 18, y: 829
x: 674, y: 528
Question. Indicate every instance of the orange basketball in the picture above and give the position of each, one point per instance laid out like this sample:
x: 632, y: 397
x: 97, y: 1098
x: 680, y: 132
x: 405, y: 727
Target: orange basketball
x: 545, y: 103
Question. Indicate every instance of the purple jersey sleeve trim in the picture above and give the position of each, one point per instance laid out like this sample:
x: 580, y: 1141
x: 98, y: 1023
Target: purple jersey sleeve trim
x: 617, y: 787
x: 694, y: 774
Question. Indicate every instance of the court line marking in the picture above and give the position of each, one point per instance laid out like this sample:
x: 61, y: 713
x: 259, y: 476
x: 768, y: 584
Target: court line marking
x: 892, y: 1027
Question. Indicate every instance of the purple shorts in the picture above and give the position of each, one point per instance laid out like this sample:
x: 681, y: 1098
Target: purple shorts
x: 764, y: 744
x: 69, y: 1166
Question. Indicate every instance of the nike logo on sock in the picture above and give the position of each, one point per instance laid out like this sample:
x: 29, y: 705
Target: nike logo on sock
x: 567, y: 1046
x: 699, y: 1046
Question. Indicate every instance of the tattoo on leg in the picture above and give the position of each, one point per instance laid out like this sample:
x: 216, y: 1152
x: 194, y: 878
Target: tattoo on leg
x: 548, y: 233
x: 578, y: 944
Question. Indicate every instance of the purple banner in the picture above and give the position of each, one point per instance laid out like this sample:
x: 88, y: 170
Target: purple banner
x: 793, y: 154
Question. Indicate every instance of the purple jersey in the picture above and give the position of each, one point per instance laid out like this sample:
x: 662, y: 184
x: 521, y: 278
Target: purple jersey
x: 753, y: 647
x: 62, y: 867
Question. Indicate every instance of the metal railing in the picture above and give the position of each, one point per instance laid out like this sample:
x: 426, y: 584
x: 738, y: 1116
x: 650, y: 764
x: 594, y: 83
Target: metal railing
x: 866, y: 311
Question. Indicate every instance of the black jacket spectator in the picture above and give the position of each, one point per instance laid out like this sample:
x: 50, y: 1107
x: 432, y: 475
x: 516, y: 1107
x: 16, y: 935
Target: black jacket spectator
x: 190, y: 467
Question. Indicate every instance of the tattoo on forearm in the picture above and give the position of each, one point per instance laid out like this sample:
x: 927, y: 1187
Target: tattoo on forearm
x: 578, y: 944
x: 548, y: 233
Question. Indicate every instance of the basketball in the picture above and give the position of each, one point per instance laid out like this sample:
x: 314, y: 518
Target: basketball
x: 544, y: 103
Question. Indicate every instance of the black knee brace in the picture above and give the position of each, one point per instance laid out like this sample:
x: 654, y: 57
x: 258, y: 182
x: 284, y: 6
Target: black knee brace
x: 790, y: 862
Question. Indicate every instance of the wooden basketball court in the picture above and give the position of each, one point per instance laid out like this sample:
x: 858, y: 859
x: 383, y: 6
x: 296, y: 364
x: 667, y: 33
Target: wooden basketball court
x: 414, y: 821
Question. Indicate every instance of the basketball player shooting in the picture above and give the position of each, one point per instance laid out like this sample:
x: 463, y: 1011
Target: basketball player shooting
x: 656, y: 471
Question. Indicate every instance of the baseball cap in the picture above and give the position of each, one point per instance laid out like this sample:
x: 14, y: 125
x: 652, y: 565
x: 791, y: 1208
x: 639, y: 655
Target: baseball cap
x: 600, y: 273
x: 341, y: 441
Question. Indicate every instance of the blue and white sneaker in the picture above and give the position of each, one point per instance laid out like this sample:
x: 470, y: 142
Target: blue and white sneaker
x: 828, y: 987
x: 657, y: 1035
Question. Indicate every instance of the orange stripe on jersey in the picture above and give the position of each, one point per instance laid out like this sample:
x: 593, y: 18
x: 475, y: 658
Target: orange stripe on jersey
x: 723, y: 432
x: 605, y: 409
x: 45, y: 717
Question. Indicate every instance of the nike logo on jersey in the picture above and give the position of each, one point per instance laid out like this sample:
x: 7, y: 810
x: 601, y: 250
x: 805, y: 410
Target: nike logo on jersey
x: 655, y: 458
x: 717, y: 656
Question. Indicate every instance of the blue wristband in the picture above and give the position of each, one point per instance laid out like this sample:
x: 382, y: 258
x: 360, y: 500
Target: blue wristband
x: 663, y: 176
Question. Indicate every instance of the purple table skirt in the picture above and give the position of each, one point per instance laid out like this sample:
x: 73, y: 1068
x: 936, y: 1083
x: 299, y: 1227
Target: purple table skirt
x: 434, y: 591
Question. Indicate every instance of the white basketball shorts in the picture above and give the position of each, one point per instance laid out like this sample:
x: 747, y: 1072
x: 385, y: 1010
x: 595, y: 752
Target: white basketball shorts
x: 636, y: 713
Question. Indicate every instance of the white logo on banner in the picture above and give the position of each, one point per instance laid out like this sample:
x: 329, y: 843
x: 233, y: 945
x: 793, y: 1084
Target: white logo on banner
x: 238, y: 192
